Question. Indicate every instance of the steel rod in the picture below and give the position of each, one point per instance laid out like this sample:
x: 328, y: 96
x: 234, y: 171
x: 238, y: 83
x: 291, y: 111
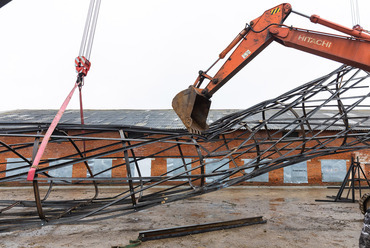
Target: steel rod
x: 200, y: 228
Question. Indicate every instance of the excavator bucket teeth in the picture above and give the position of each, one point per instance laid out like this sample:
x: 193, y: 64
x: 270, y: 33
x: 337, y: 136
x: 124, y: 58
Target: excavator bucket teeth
x: 192, y: 108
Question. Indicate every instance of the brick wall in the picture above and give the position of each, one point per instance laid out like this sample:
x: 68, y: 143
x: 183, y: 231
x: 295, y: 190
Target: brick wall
x: 311, y: 172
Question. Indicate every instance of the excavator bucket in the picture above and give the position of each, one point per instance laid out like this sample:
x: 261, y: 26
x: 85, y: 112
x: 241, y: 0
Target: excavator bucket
x: 192, y: 108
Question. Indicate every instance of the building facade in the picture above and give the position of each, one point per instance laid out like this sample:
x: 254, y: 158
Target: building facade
x: 154, y: 156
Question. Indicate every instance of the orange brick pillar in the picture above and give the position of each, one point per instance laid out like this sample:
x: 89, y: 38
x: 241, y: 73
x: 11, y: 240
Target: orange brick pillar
x: 239, y: 162
x: 119, y: 171
x: 276, y: 177
x: 314, y: 174
x: 159, y: 166
x: 366, y: 169
x: 79, y: 170
x: 2, y: 167
x: 196, y: 172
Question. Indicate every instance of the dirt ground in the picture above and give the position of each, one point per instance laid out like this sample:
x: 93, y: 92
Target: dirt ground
x: 293, y: 217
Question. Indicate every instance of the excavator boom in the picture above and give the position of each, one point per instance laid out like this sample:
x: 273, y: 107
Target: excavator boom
x: 192, y: 105
x: 350, y: 51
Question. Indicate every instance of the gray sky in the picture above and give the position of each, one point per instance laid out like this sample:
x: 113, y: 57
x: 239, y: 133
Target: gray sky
x: 146, y: 51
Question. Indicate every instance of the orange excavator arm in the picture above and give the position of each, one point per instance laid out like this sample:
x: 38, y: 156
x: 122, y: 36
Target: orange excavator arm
x: 192, y: 105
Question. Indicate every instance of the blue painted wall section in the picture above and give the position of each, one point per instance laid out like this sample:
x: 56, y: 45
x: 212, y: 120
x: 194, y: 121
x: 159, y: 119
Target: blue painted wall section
x: 175, y: 166
x: 99, y: 165
x: 13, y: 163
x: 296, y: 173
x: 264, y: 178
x: 214, y: 165
x: 333, y: 170
x: 145, y: 166
x: 65, y: 171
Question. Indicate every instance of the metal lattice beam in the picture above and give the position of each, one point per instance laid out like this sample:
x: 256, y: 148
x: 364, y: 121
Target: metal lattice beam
x: 275, y: 133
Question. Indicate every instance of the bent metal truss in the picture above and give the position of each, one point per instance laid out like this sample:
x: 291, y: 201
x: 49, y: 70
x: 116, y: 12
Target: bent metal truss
x: 262, y: 133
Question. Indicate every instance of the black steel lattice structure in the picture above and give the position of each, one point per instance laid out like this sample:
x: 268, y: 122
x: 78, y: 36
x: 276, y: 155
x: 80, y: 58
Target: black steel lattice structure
x: 276, y: 133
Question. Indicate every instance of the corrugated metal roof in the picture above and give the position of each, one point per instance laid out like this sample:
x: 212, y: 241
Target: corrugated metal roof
x: 154, y: 118
x: 158, y: 118
x: 328, y: 119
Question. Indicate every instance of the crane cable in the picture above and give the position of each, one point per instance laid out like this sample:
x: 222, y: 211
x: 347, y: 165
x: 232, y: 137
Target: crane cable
x: 82, y: 67
x: 82, y: 62
x: 355, y: 12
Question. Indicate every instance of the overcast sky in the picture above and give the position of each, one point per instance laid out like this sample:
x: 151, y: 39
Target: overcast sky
x: 146, y: 51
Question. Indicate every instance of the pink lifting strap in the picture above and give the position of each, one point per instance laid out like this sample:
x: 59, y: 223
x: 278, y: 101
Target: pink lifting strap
x: 40, y: 151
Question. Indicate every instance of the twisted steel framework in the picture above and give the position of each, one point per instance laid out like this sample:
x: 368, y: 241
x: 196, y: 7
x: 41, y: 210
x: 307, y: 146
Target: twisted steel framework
x: 262, y: 132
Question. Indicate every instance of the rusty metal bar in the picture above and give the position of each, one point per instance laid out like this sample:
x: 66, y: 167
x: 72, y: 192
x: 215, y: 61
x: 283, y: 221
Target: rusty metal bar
x: 128, y: 170
x: 201, y: 228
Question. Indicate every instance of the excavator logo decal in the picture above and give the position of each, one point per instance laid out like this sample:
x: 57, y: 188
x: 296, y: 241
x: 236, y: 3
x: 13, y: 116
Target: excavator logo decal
x: 275, y: 11
x: 318, y: 42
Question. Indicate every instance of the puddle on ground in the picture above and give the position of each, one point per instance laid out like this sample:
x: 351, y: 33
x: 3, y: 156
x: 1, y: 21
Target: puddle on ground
x: 273, y: 203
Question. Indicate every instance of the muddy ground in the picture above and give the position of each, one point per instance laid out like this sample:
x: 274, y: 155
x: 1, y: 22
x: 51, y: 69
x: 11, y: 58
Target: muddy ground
x: 293, y: 217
